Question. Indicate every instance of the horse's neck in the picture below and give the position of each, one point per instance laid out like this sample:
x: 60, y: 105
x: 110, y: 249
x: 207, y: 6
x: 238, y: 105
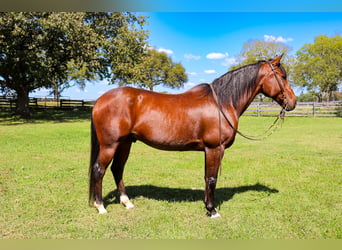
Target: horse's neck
x: 243, y: 103
x: 237, y: 89
x: 246, y: 101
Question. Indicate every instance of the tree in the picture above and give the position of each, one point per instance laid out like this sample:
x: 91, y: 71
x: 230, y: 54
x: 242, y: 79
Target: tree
x: 156, y: 69
x: 318, y: 66
x: 256, y: 50
x: 57, y: 50
x: 123, y: 45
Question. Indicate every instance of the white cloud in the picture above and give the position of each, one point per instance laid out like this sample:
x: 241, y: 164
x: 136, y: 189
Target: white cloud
x: 43, y: 89
x: 210, y: 71
x: 193, y: 73
x: 215, y: 55
x: 104, y: 82
x: 78, y: 90
x: 163, y: 50
x: 166, y: 51
x: 189, y: 84
x: 277, y: 39
x: 230, y: 61
x: 191, y: 57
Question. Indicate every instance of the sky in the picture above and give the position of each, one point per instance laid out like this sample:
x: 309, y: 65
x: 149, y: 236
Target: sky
x: 207, y: 43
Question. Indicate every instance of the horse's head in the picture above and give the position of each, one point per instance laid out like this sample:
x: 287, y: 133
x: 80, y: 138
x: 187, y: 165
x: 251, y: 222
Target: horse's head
x: 274, y: 84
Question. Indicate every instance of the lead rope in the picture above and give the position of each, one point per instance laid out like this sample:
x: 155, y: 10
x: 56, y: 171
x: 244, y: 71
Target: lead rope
x: 260, y: 137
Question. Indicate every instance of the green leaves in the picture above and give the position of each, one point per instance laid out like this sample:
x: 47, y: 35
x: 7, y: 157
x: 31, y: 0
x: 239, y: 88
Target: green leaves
x: 156, y: 68
x: 318, y: 65
x: 56, y: 50
x: 255, y: 50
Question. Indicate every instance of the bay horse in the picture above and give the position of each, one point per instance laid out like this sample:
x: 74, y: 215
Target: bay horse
x: 204, y: 118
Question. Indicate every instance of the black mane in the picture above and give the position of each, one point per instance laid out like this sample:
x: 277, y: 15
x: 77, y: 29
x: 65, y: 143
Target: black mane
x: 232, y: 85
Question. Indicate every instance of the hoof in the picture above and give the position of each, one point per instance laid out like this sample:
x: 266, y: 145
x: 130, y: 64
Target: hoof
x: 124, y: 200
x: 100, y: 208
x: 129, y: 205
x: 103, y: 211
x: 215, y: 216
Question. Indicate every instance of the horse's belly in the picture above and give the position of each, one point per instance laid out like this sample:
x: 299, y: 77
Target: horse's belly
x: 180, y: 140
x: 172, y: 146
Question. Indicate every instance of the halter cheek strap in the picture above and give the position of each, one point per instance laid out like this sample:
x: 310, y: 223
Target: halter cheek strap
x: 280, y: 86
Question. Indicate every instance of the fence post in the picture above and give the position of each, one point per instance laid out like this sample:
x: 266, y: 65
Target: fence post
x: 11, y: 104
x: 258, y: 107
x: 313, y: 109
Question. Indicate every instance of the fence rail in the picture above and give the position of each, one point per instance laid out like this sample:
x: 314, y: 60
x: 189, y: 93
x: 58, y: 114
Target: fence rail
x: 7, y: 103
x: 319, y: 109
x: 10, y: 103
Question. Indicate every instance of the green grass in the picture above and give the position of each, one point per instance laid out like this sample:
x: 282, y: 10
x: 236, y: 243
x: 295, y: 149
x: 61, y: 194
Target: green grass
x: 285, y: 187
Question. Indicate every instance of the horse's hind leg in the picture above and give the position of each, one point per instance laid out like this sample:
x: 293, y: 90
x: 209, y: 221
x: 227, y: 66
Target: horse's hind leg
x: 118, y: 165
x: 106, y: 154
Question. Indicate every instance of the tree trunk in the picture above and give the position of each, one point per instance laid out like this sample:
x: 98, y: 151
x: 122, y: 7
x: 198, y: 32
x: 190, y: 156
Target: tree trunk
x: 22, y: 108
x: 56, y: 92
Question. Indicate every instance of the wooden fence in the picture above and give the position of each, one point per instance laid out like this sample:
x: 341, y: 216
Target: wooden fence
x: 9, y: 104
x: 319, y: 109
x: 75, y: 104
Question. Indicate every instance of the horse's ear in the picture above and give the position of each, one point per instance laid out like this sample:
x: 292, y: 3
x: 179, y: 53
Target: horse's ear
x: 276, y: 61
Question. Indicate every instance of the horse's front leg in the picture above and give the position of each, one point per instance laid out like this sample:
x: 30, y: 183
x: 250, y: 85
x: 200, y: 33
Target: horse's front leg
x: 213, y: 157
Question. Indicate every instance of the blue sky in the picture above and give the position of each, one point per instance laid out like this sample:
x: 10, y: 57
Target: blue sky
x: 207, y: 43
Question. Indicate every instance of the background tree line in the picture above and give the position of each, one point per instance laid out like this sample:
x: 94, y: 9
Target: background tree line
x: 316, y: 67
x: 58, y: 50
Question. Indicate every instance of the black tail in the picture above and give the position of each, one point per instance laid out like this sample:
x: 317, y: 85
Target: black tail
x: 94, y: 152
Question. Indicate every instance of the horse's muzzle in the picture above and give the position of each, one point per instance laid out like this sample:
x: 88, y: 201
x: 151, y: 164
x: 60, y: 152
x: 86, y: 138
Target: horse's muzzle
x: 290, y: 104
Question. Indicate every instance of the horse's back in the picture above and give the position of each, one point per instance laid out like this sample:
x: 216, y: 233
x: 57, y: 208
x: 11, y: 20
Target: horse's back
x: 117, y: 96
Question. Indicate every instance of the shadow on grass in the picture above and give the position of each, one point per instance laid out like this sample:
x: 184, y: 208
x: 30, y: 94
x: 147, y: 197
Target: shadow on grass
x: 181, y: 195
x: 45, y: 115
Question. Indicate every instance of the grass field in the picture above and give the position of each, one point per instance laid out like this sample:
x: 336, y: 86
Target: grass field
x: 288, y: 186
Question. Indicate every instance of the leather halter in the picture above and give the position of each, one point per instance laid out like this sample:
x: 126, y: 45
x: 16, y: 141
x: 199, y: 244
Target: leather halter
x: 280, y: 86
x: 268, y: 132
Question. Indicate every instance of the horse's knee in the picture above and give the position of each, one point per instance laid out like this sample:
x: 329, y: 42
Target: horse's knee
x: 211, y: 181
x: 98, y: 171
